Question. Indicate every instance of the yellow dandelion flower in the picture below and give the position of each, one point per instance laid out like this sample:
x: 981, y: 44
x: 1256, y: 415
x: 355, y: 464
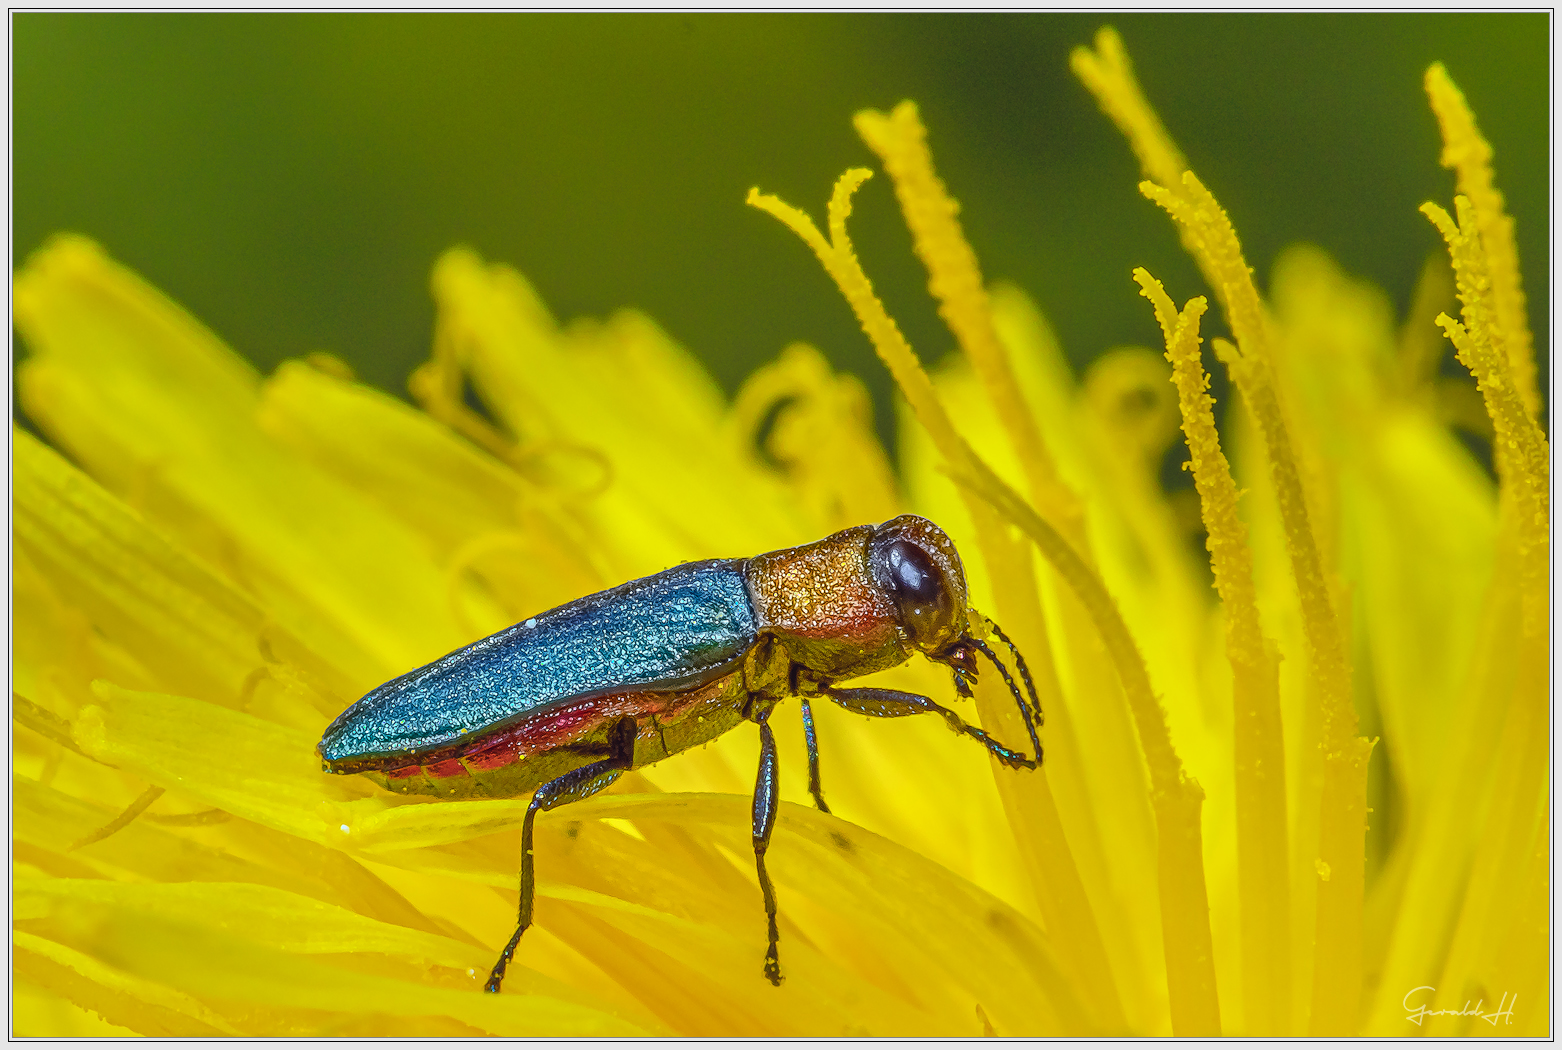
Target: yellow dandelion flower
x: 209, y: 565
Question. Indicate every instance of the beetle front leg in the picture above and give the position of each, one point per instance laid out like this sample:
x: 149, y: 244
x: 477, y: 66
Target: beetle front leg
x: 571, y: 787
x: 766, y: 793
x: 814, y: 787
x: 892, y: 703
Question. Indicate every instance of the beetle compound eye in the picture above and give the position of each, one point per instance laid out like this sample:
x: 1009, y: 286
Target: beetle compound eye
x: 916, y: 581
x: 914, y: 566
x: 919, y: 589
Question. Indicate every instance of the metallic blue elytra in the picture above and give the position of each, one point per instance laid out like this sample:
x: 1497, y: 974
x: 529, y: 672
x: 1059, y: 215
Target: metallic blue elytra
x: 667, y: 632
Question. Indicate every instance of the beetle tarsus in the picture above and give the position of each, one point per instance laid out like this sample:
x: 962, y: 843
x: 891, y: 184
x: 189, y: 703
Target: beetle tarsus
x: 772, y: 950
x: 496, y: 976
x: 773, y: 967
x: 1008, y: 756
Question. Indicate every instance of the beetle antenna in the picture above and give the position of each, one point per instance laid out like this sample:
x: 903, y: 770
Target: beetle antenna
x: 1019, y: 661
x: 1030, y: 725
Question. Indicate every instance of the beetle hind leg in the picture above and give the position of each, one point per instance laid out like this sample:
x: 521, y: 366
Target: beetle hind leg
x: 571, y: 787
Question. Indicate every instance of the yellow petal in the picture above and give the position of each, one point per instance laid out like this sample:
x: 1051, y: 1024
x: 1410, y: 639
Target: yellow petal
x: 157, y: 408
x: 253, y: 769
x: 144, y: 1007
x: 199, y: 634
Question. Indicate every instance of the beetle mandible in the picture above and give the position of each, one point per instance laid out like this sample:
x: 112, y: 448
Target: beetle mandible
x: 560, y: 704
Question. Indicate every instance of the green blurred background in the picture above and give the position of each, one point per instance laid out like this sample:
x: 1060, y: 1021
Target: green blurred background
x: 290, y: 178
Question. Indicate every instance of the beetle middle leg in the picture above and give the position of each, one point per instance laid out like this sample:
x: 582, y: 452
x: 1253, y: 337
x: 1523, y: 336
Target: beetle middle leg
x: 892, y: 703
x: 571, y: 787
x: 766, y: 795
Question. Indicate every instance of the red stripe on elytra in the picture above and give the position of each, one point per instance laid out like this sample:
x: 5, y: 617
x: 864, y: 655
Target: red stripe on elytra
x: 545, y: 731
x: 533, y: 736
x: 492, y: 755
x: 445, y: 770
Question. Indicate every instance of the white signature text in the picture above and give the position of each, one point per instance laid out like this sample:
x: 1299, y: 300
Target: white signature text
x: 1419, y: 1014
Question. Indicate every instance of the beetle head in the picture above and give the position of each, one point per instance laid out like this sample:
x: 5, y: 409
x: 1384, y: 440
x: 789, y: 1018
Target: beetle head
x: 915, y: 565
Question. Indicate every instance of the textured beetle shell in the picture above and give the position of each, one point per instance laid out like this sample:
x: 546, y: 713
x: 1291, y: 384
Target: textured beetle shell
x: 820, y: 601
x: 673, y: 631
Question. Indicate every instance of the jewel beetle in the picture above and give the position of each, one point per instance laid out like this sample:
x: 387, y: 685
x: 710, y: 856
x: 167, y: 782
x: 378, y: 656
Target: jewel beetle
x: 561, y: 704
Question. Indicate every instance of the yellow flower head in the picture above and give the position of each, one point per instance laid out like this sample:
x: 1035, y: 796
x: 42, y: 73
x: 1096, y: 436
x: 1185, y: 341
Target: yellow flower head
x: 210, y: 565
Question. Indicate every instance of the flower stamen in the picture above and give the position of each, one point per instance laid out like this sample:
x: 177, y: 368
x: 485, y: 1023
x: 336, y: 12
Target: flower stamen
x: 1258, y: 744
x: 1466, y: 151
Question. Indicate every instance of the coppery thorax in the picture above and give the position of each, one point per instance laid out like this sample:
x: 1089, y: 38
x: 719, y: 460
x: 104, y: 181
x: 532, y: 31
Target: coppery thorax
x: 820, y: 602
